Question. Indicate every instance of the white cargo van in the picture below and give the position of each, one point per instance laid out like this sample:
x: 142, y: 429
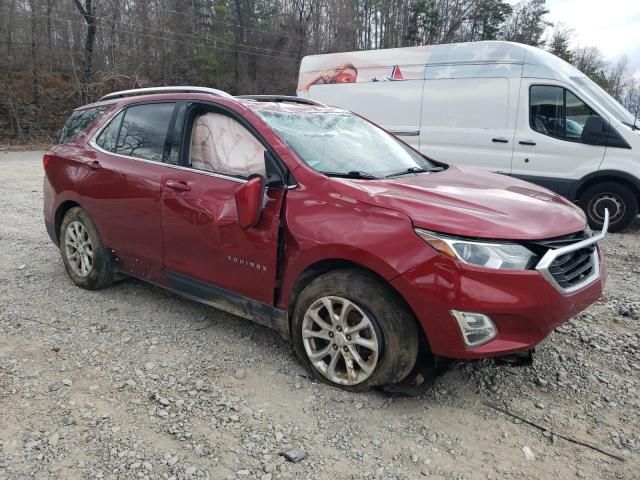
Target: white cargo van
x: 501, y: 106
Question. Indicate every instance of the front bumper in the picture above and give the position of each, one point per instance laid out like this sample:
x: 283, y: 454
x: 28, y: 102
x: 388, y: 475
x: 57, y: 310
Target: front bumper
x: 524, y: 306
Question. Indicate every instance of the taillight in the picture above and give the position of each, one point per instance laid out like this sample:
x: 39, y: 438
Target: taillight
x: 46, y: 160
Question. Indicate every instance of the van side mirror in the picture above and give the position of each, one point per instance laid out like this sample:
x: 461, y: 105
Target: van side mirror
x: 593, y: 132
x: 249, y: 201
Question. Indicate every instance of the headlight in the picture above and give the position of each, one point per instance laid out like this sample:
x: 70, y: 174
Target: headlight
x: 499, y: 256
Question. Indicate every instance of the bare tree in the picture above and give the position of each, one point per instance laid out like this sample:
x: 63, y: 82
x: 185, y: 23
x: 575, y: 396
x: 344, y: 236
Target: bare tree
x: 88, y: 13
x: 618, y: 78
x: 56, y: 50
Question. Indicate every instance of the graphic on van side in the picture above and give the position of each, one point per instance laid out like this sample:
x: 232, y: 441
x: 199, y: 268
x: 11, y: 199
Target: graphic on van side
x: 465, y: 60
x: 355, y: 67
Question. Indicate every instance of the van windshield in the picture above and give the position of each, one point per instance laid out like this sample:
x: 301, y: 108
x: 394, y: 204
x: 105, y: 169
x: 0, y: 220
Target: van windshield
x: 603, y: 98
x: 342, y: 144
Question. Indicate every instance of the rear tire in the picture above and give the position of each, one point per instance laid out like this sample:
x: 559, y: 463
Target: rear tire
x: 619, y: 199
x: 372, y: 329
x: 87, y: 261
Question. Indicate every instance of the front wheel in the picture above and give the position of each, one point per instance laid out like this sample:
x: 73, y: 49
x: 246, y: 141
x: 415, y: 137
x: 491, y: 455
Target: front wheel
x: 87, y: 261
x: 353, y: 332
x: 620, y: 200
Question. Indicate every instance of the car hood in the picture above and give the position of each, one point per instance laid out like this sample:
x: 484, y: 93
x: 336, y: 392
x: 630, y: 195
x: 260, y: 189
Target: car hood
x: 471, y: 203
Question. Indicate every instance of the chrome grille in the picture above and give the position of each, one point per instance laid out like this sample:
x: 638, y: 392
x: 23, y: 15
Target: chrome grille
x: 571, y: 263
x: 572, y: 268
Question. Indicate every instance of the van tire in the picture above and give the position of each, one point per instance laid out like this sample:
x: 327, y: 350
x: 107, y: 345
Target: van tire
x: 393, y: 325
x: 101, y: 273
x: 620, y: 199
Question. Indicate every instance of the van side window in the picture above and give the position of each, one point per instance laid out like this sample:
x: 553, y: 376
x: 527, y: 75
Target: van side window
x: 220, y: 144
x: 143, y: 133
x: 556, y: 112
x: 577, y: 113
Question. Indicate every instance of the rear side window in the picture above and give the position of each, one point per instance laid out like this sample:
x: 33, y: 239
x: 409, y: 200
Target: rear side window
x: 108, y: 139
x: 79, y: 121
x: 141, y: 131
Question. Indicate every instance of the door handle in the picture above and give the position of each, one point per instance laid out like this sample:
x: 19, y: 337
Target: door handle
x: 499, y: 140
x: 176, y: 185
x: 95, y: 165
x: 527, y: 142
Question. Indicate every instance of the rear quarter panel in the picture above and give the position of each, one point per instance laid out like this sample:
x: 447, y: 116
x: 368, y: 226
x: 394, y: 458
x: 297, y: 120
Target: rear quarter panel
x: 60, y: 178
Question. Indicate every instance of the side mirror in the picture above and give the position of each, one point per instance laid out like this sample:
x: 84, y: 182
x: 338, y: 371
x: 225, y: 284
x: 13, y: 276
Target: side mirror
x: 249, y: 201
x: 593, y: 132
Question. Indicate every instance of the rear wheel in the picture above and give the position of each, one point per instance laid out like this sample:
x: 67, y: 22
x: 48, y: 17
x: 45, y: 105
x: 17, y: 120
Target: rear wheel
x: 87, y: 261
x: 353, y: 332
x: 619, y: 199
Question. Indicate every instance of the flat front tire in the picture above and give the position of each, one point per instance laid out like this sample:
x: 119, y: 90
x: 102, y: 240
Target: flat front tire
x: 353, y: 332
x: 88, y: 262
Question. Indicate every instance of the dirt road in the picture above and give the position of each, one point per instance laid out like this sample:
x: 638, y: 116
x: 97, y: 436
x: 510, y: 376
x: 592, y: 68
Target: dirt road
x: 134, y: 382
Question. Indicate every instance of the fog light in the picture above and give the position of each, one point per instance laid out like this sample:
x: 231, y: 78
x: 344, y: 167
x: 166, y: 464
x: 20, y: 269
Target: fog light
x: 476, y: 328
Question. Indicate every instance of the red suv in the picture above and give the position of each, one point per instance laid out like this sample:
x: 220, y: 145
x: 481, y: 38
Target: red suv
x: 370, y: 258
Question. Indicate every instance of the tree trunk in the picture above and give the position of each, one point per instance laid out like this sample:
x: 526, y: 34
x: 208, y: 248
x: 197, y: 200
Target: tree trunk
x: 16, y: 128
x: 34, y: 58
x: 88, y: 13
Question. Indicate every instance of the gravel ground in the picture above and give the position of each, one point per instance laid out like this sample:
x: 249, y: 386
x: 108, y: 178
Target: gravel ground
x: 134, y: 382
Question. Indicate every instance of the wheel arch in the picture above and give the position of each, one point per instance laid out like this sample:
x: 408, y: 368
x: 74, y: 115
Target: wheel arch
x: 623, y: 178
x: 321, y: 267
x: 61, y: 211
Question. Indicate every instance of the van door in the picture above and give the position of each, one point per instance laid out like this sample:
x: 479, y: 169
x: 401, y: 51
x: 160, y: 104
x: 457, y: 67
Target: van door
x: 469, y: 121
x: 394, y: 105
x: 548, y: 149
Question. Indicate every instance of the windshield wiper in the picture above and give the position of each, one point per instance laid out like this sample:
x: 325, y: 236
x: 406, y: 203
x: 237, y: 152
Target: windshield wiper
x: 633, y: 126
x: 351, y: 174
x: 415, y: 170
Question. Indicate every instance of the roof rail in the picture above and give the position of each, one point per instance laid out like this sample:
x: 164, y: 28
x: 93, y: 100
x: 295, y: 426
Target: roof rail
x: 152, y: 90
x: 281, y: 98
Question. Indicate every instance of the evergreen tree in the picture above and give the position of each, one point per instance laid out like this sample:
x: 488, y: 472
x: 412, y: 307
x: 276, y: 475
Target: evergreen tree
x: 559, y: 44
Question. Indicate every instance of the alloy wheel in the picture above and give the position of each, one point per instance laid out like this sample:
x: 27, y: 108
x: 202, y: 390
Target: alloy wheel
x: 340, y: 340
x: 78, y: 247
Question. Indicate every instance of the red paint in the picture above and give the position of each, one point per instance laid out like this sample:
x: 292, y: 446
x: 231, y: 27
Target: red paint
x: 46, y: 160
x: 158, y: 218
x: 524, y: 307
x: 345, y: 77
x: 249, y: 202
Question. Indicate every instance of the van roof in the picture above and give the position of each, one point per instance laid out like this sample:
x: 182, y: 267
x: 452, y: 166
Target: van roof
x: 530, y: 61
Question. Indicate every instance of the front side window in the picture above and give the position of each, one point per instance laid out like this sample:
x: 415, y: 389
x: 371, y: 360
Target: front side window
x: 341, y: 143
x: 143, y: 132
x: 79, y: 121
x: 556, y: 112
x: 221, y: 145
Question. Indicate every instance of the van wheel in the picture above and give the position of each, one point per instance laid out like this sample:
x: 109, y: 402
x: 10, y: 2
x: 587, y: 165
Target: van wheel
x: 620, y: 200
x: 352, y: 332
x: 87, y: 261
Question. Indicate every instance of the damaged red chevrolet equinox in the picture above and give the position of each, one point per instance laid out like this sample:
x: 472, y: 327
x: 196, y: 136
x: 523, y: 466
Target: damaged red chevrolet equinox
x: 370, y: 258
